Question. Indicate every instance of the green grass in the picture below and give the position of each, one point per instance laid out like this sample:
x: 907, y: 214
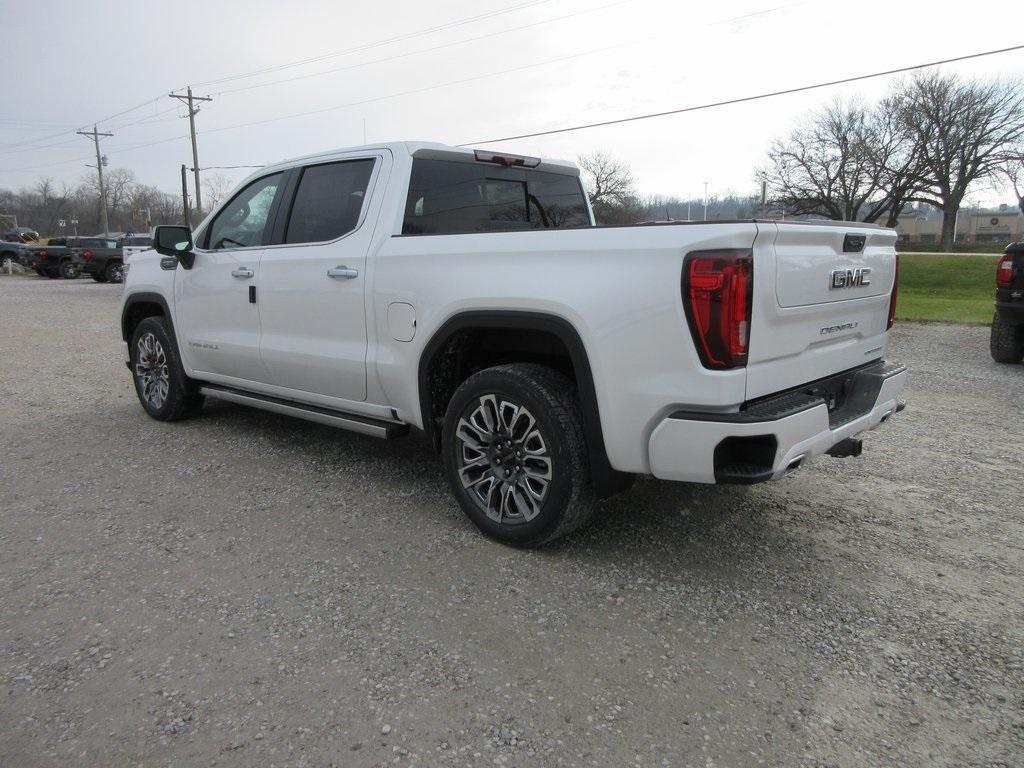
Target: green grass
x: 949, y: 287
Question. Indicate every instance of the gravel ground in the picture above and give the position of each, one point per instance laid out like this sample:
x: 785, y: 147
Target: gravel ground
x: 244, y: 589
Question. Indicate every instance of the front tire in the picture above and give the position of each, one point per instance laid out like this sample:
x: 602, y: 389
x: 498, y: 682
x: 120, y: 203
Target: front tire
x: 1007, y: 341
x: 515, y: 456
x: 164, y: 390
x: 114, y: 272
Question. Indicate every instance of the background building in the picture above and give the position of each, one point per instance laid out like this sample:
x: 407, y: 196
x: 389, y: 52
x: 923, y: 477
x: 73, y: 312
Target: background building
x: 974, y: 225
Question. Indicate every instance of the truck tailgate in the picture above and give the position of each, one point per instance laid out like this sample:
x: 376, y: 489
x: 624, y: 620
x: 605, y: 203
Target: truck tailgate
x: 821, y: 301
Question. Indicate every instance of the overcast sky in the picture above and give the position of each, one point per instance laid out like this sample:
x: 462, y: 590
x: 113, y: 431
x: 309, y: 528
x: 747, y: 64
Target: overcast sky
x: 495, y: 68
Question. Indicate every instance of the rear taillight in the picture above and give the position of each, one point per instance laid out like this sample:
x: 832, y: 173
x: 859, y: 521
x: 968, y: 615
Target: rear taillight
x: 892, y: 296
x: 717, y: 292
x: 87, y: 255
x: 42, y: 254
x: 1004, y: 271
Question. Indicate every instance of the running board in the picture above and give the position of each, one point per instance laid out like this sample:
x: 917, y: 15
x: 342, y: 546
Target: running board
x: 364, y: 425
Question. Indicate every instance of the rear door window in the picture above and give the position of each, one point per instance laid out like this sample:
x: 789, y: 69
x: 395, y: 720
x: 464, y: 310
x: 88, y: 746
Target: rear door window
x: 328, y: 201
x: 447, y: 197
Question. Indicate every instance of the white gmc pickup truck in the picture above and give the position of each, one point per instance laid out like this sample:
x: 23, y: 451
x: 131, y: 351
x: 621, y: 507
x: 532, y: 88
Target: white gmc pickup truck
x: 469, y: 295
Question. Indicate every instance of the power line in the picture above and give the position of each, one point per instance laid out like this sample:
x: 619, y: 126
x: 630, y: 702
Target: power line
x: 80, y: 127
x: 474, y: 78
x: 148, y: 120
x: 431, y: 49
x: 153, y: 118
x: 412, y: 91
x: 378, y: 43
x: 276, y: 68
x: 743, y: 99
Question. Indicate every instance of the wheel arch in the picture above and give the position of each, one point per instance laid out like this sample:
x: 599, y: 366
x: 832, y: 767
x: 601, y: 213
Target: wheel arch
x: 139, y: 306
x: 606, y: 479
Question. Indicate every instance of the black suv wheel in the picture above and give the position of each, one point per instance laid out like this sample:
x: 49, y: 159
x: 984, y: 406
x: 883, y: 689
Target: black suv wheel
x: 515, y: 456
x: 1007, y: 341
x: 164, y: 390
x: 68, y: 270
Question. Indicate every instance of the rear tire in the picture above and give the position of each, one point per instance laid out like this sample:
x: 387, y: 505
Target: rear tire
x: 164, y: 390
x: 1007, y: 341
x: 515, y: 456
x: 68, y: 270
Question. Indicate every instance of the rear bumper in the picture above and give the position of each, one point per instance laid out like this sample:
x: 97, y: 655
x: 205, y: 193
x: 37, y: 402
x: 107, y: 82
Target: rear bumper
x: 773, y: 436
x: 1011, y: 311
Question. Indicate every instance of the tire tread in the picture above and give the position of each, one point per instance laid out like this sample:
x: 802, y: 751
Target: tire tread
x: 1006, y: 343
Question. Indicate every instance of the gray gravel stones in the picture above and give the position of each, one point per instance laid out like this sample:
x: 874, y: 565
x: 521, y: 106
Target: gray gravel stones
x: 243, y: 589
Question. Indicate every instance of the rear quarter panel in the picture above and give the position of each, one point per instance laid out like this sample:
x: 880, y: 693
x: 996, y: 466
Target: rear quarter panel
x: 619, y: 287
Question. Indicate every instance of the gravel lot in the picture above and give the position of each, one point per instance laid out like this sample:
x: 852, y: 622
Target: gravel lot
x: 244, y: 589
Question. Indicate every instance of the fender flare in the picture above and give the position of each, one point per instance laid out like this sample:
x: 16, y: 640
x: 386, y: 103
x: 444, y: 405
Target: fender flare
x: 606, y: 480
x: 144, y: 297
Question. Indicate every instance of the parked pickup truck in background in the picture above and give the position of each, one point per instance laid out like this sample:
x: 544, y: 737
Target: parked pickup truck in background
x: 11, y: 251
x: 52, y: 259
x: 469, y: 296
x: 98, y: 257
x: 132, y: 244
x: 1007, y: 335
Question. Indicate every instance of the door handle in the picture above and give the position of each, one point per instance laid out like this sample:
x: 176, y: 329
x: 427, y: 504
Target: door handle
x: 242, y: 272
x: 341, y: 271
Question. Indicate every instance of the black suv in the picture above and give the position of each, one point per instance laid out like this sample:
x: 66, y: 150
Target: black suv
x: 1007, y: 342
x: 98, y: 257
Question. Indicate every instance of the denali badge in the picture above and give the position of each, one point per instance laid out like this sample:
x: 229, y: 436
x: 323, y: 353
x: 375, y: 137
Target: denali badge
x: 848, y: 278
x: 837, y: 328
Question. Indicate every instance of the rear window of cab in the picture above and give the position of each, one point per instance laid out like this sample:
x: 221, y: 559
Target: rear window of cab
x: 449, y: 197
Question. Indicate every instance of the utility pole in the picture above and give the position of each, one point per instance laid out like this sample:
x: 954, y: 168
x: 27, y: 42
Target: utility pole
x: 705, y: 201
x: 184, y: 195
x: 187, y: 98
x: 95, y: 136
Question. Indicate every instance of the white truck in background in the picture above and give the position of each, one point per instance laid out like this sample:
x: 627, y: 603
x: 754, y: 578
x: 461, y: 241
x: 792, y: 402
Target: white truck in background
x: 132, y: 244
x: 468, y: 295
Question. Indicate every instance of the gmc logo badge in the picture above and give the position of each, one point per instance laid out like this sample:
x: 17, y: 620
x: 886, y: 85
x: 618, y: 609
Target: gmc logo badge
x: 849, y: 278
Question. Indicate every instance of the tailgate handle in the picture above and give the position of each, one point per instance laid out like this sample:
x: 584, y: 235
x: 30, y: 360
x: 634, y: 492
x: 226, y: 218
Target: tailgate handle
x: 854, y: 243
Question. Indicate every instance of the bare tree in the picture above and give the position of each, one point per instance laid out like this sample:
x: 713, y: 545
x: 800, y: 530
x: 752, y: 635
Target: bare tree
x: 847, y: 162
x: 1014, y: 171
x: 611, y: 188
x: 215, y: 188
x: 897, y: 156
x: 966, y: 131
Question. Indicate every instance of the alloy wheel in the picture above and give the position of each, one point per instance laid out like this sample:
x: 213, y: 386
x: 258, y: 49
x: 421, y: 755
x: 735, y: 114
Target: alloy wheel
x: 152, y: 371
x: 503, y: 460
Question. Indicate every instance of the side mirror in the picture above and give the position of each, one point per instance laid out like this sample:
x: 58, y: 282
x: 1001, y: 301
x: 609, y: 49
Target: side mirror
x: 172, y: 240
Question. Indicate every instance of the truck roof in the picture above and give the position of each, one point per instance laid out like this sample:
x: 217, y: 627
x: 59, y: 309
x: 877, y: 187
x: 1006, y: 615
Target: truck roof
x: 435, y: 150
